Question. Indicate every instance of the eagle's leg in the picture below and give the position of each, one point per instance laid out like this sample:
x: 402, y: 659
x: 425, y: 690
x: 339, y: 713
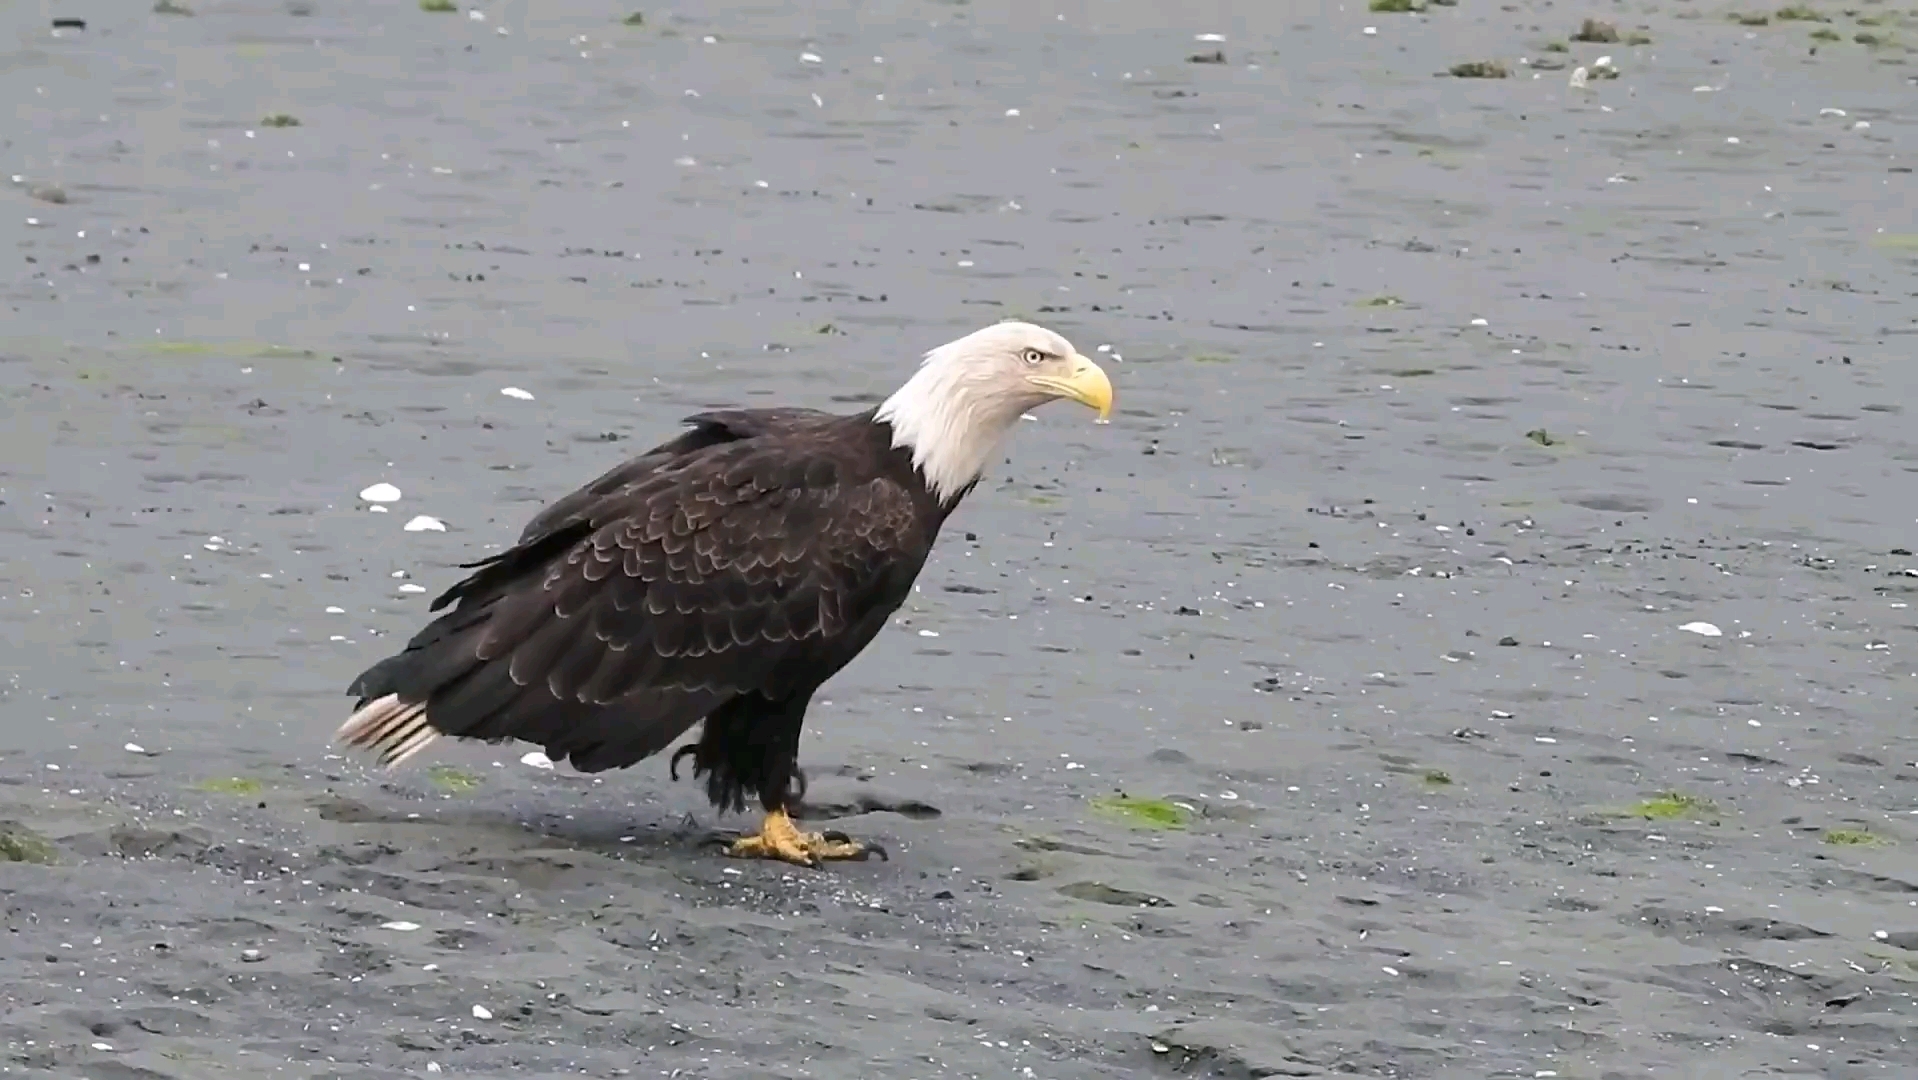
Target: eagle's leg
x: 750, y: 745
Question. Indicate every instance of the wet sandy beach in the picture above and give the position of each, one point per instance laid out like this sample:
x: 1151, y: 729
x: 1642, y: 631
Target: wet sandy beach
x: 1446, y: 406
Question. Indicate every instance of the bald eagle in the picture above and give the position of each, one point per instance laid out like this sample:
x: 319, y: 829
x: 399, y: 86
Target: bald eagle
x: 720, y: 577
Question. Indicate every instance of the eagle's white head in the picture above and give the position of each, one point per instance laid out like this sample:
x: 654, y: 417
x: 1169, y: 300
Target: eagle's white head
x: 967, y: 394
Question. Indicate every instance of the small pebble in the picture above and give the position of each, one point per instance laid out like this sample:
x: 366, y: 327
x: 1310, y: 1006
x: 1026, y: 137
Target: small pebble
x: 1703, y: 629
x: 481, y: 1012
x: 251, y: 956
x: 516, y: 392
x: 537, y: 760
x: 399, y: 924
x: 424, y: 523
x: 380, y: 493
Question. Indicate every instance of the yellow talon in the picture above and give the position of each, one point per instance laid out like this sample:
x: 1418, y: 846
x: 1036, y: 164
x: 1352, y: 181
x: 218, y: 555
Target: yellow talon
x: 780, y: 839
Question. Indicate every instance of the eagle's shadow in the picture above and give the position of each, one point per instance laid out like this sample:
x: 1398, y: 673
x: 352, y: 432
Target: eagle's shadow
x: 624, y: 833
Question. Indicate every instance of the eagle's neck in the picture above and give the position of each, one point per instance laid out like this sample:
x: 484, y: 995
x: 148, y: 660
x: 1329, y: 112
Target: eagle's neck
x: 952, y: 424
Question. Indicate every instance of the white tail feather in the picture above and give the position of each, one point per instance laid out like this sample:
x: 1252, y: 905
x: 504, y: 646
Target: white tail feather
x: 391, y: 729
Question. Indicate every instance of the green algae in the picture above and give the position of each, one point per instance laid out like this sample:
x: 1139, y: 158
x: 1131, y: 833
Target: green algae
x: 1143, y: 813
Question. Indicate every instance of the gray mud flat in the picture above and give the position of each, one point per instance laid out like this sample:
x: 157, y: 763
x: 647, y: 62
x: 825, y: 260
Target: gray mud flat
x: 1446, y: 405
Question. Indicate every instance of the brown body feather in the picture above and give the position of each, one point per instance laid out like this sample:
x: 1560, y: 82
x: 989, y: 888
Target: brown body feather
x: 722, y: 576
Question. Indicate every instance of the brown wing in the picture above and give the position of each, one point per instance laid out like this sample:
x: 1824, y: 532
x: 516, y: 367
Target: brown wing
x: 759, y: 566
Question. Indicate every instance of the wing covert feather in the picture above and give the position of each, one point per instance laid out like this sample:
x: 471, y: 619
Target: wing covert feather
x: 724, y: 578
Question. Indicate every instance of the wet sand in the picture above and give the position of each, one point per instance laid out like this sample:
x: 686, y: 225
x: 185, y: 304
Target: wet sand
x: 1445, y: 405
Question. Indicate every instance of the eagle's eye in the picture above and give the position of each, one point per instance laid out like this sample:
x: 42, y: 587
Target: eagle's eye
x: 1033, y: 356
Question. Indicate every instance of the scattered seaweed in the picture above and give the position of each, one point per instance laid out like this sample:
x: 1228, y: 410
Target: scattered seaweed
x: 1143, y: 813
x: 1854, y: 838
x: 1751, y: 18
x: 438, y: 7
x: 1824, y: 33
x: 1543, y: 437
x: 1381, y: 300
x: 1672, y: 806
x: 637, y: 18
x: 280, y: 120
x: 1557, y: 46
x: 231, y: 785
x: 1397, y: 7
x: 1480, y: 69
x: 1436, y: 778
x: 21, y: 844
x: 1800, y: 13
x: 457, y: 781
x: 1596, y: 32
x: 168, y: 7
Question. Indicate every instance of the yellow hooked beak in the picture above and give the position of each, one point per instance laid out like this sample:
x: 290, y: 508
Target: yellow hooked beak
x: 1086, y: 384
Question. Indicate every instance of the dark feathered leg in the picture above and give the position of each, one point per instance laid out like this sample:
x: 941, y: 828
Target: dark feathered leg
x: 749, y: 745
